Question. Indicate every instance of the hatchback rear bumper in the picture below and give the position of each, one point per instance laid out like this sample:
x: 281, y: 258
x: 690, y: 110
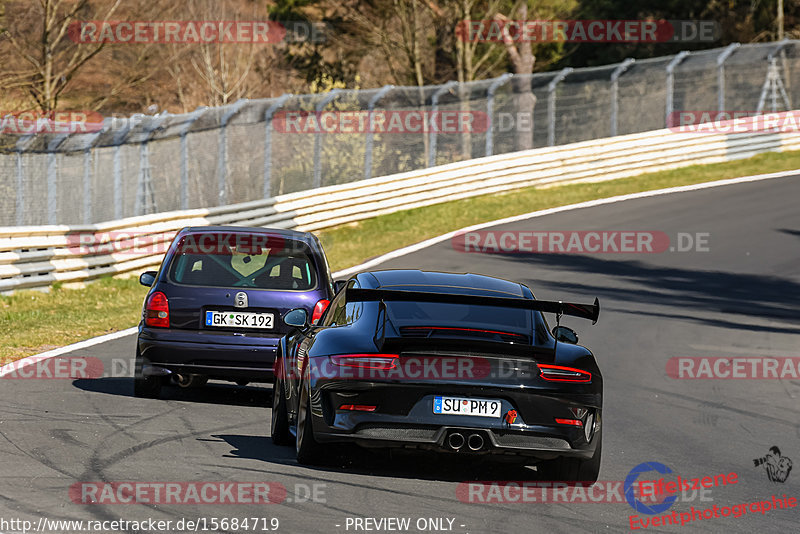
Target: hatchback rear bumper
x: 249, y: 359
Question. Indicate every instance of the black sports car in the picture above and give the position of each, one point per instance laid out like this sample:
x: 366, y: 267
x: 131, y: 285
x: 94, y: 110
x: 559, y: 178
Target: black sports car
x: 457, y: 363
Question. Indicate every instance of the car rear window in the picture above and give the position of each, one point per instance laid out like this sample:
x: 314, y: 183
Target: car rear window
x: 243, y: 260
x: 406, y: 314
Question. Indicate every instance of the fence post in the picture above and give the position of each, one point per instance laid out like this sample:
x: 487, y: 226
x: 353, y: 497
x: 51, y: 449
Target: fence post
x: 222, y: 156
x: 670, y: 105
x: 117, y: 141
x: 268, y: 142
x: 193, y: 116
x: 496, y: 84
x: 52, y: 177
x: 551, y: 104
x: 145, y: 185
x: 369, y: 141
x: 20, y: 190
x: 87, y: 186
x: 434, y: 107
x: 90, y: 167
x: 773, y: 82
x: 318, y: 139
x: 721, y: 58
x: 621, y: 68
x: 52, y: 188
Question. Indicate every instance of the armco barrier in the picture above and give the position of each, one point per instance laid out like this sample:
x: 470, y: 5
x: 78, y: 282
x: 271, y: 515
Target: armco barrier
x: 32, y: 257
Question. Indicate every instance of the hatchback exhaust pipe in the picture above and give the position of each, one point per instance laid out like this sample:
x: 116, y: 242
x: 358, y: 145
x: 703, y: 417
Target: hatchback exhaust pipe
x: 189, y: 381
x: 455, y: 441
x: 183, y: 381
x: 475, y: 442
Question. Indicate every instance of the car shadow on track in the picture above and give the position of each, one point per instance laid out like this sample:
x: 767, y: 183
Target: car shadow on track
x: 739, y: 296
x: 354, y: 460
x: 213, y: 393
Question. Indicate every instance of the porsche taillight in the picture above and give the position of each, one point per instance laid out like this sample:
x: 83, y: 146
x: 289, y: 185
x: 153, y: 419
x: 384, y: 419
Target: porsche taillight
x: 558, y: 373
x: 571, y: 422
x: 358, y: 407
x: 156, y: 310
x: 384, y: 362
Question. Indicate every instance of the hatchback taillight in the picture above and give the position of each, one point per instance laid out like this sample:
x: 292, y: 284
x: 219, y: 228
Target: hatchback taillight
x: 319, y: 309
x: 156, y: 310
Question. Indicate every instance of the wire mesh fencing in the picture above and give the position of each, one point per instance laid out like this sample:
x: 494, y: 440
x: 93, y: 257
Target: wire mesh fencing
x: 256, y: 149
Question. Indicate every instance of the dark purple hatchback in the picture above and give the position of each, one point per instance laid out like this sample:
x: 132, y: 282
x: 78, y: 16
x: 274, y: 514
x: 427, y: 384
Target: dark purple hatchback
x: 214, y: 306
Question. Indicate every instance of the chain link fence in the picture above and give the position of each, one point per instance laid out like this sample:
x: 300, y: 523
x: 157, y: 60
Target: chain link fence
x: 255, y: 149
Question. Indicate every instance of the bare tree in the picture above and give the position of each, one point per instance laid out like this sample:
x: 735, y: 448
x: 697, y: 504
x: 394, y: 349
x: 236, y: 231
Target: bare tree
x: 474, y: 60
x: 46, y: 60
x: 399, y: 30
x: 133, y: 66
x: 224, y: 68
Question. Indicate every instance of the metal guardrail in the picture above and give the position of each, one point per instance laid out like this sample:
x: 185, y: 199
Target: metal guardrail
x: 37, y: 256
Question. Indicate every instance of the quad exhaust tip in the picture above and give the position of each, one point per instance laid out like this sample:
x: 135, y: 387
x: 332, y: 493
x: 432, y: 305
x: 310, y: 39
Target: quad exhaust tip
x: 475, y: 442
x: 455, y: 441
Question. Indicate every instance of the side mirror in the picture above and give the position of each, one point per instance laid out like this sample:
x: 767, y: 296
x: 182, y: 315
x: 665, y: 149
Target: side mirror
x: 148, y: 278
x: 296, y: 318
x: 565, y: 334
x: 338, y: 285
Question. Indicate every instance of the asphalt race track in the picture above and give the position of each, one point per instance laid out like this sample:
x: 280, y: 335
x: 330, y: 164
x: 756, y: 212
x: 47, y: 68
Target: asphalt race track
x: 737, y: 299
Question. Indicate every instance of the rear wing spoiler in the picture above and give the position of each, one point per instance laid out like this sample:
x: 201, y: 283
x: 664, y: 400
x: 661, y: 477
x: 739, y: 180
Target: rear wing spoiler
x: 585, y: 311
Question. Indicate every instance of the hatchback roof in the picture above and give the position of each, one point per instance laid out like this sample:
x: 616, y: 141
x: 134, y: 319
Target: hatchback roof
x: 293, y: 234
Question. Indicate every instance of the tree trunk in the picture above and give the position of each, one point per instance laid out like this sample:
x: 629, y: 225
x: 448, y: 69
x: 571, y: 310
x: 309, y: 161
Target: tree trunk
x: 522, y: 61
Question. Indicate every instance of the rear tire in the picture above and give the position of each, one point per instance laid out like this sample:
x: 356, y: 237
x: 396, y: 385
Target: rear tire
x: 569, y: 469
x: 145, y: 387
x: 309, y: 451
x: 280, y: 417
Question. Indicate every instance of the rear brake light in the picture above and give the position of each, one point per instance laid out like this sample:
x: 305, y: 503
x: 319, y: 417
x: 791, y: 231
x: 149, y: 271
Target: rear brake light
x: 572, y: 422
x: 319, y: 309
x: 454, y: 329
x: 367, y: 361
x: 557, y: 373
x: 156, y: 311
x: 358, y: 407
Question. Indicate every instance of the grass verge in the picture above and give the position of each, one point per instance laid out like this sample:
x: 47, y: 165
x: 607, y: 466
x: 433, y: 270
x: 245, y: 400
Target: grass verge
x: 32, y: 321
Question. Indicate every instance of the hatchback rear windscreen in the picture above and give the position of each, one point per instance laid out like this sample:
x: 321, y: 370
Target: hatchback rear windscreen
x: 243, y: 260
